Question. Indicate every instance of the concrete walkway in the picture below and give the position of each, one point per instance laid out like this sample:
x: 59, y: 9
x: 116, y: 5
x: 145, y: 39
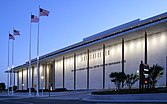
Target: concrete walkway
x: 86, y: 96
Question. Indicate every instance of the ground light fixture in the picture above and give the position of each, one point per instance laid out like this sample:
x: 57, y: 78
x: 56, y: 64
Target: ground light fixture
x: 42, y: 77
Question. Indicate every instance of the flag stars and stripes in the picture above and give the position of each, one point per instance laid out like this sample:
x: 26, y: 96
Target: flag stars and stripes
x: 11, y: 37
x: 16, y: 32
x: 34, y: 19
x: 43, y: 12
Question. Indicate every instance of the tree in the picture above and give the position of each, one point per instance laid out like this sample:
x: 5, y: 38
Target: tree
x: 156, y: 73
x: 131, y: 79
x: 2, y: 87
x: 118, y: 78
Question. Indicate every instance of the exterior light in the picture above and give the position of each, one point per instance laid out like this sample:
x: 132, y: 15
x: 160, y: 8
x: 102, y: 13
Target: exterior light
x: 42, y: 77
x: 137, y: 72
x: 145, y: 82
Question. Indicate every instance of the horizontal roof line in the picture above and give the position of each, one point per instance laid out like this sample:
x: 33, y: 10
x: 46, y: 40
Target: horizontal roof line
x: 138, y: 24
x: 132, y: 25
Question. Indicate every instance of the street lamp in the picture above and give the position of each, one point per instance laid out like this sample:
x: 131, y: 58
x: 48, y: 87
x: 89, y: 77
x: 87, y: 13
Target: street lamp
x: 42, y: 77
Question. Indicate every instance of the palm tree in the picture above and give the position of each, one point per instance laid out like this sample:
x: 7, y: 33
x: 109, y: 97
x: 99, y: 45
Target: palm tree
x: 131, y: 79
x: 155, y: 74
x: 118, y: 78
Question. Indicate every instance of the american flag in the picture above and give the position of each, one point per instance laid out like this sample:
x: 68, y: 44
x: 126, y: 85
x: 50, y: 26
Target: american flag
x: 43, y: 12
x: 16, y: 32
x: 34, y: 19
x: 11, y: 37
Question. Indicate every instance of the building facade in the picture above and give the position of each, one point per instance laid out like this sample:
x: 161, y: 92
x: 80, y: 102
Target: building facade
x: 88, y: 64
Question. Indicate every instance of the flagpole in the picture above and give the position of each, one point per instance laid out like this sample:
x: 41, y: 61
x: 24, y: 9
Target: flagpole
x: 8, y: 65
x: 44, y: 14
x: 12, y: 65
x: 38, y: 56
x: 29, y: 61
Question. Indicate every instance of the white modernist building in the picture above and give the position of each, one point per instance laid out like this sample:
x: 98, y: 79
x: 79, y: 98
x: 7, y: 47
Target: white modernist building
x: 87, y: 64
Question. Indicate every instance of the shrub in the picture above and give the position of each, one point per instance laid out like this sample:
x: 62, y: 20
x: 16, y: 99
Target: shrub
x: 131, y: 79
x: 118, y: 78
x: 156, y: 73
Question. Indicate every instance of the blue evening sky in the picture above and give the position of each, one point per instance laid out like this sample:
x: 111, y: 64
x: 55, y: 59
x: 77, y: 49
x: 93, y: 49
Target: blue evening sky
x: 69, y: 22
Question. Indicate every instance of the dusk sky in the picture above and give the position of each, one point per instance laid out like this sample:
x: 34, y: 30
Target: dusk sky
x: 69, y: 22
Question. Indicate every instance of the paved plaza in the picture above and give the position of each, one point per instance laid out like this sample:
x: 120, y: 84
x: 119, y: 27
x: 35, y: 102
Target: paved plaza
x: 70, y: 97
